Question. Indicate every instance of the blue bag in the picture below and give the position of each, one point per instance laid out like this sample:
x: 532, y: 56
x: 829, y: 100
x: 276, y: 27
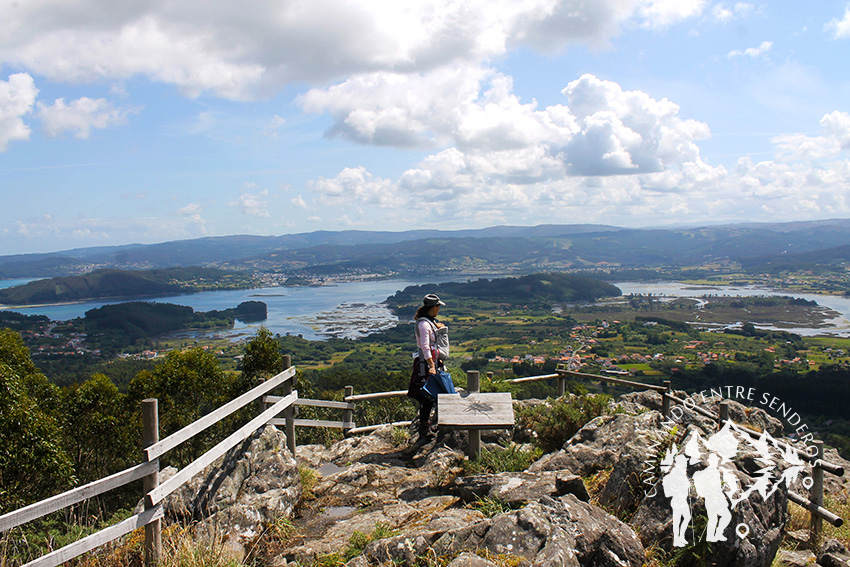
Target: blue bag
x: 439, y: 383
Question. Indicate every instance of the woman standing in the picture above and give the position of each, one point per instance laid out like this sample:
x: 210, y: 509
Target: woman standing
x: 428, y: 360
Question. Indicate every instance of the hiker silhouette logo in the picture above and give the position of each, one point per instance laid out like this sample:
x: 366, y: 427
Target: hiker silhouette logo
x: 715, y: 478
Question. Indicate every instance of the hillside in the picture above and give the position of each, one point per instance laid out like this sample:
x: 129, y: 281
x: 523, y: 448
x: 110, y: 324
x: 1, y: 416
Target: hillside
x: 539, y: 290
x: 501, y: 248
x: 110, y: 283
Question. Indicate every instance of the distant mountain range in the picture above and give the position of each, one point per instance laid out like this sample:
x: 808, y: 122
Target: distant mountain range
x: 499, y: 248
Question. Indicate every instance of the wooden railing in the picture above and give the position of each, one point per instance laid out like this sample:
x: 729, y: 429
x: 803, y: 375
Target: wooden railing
x: 148, y: 471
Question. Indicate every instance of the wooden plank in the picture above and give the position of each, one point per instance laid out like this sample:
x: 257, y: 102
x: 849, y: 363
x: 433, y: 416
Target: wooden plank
x: 312, y: 423
x: 613, y: 380
x: 475, y: 411
x: 323, y: 423
x: 836, y: 521
x: 370, y: 428
x: 156, y: 495
x: 90, y: 490
x: 376, y: 396
x: 532, y: 378
x: 217, y: 415
x: 315, y: 403
x: 95, y: 540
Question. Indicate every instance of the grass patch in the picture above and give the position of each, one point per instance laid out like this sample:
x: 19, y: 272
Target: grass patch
x: 504, y: 459
x: 490, y: 506
x: 309, y: 478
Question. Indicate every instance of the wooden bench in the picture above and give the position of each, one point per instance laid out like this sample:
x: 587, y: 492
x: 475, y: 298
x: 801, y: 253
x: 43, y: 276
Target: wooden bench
x: 474, y: 412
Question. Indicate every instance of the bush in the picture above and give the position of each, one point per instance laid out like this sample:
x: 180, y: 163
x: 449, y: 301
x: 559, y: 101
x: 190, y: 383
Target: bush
x: 552, y: 424
x: 506, y: 459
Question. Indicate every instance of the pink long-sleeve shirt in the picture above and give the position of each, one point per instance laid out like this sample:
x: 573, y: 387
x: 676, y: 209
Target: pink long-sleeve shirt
x: 426, y: 338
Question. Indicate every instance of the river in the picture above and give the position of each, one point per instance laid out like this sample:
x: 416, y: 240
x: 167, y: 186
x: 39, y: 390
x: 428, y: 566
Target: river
x: 350, y: 309
x: 838, y: 326
x: 354, y: 309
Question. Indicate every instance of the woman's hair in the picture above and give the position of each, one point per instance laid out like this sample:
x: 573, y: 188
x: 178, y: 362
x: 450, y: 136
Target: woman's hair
x: 422, y: 311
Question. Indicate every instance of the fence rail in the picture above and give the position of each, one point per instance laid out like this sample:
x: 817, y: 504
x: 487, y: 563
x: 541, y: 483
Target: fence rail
x: 148, y: 471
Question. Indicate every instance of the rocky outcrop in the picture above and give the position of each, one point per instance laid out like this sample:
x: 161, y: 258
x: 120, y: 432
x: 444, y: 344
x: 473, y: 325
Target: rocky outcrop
x: 833, y: 554
x: 516, y: 488
x: 565, y: 532
x: 254, y: 484
x: 403, y: 501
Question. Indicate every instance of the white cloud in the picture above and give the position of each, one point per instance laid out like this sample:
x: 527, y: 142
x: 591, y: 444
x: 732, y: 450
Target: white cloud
x: 241, y: 53
x: 603, y: 130
x: 355, y: 185
x: 80, y: 116
x: 300, y: 202
x: 664, y: 13
x: 834, y: 138
x: 840, y: 28
x: 753, y: 52
x: 274, y: 125
x: 724, y: 14
x: 255, y: 205
x: 618, y: 131
x: 17, y: 97
x: 191, y: 210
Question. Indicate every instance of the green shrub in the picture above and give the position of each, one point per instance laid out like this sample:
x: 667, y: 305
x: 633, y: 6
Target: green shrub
x: 553, y: 423
x: 504, y: 459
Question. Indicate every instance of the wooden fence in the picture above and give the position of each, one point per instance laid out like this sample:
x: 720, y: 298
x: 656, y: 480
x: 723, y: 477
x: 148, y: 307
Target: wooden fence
x: 272, y: 406
x: 148, y: 471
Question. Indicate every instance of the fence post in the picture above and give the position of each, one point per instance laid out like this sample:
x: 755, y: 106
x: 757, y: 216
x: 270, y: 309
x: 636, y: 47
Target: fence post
x: 289, y: 413
x: 816, y: 497
x: 562, y: 385
x: 724, y: 414
x: 347, y: 414
x: 150, y: 435
x: 665, y: 401
x: 473, y: 386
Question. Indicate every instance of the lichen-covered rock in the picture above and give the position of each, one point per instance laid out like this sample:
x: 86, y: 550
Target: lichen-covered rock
x: 833, y: 554
x: 563, y: 532
x: 516, y: 487
x: 751, y: 537
x: 255, y: 483
x: 787, y: 558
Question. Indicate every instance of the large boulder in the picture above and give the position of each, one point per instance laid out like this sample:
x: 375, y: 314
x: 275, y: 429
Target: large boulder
x: 614, y: 449
x: 517, y: 487
x: 564, y: 532
x: 252, y: 485
x: 833, y: 554
x: 753, y: 534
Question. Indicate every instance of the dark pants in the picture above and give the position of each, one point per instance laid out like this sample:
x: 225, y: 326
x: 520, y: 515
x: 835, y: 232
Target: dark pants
x: 417, y: 379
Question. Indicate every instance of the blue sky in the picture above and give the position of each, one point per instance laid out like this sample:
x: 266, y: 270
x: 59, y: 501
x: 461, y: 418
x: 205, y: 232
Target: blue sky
x: 124, y: 122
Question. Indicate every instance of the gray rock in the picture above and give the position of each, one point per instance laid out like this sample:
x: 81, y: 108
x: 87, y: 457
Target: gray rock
x: 467, y: 559
x: 833, y: 554
x: 516, y: 487
x: 254, y: 484
x: 565, y: 532
x: 786, y: 558
x: 621, y: 443
x: 763, y: 520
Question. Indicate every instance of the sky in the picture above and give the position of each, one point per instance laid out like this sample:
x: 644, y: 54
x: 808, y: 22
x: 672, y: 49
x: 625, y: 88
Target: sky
x: 148, y: 121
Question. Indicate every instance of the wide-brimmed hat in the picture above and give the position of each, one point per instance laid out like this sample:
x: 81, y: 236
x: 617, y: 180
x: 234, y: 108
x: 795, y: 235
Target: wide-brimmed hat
x: 431, y: 300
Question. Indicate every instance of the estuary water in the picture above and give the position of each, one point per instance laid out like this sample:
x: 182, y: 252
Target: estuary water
x: 350, y: 309
x: 355, y: 309
x: 838, y: 326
